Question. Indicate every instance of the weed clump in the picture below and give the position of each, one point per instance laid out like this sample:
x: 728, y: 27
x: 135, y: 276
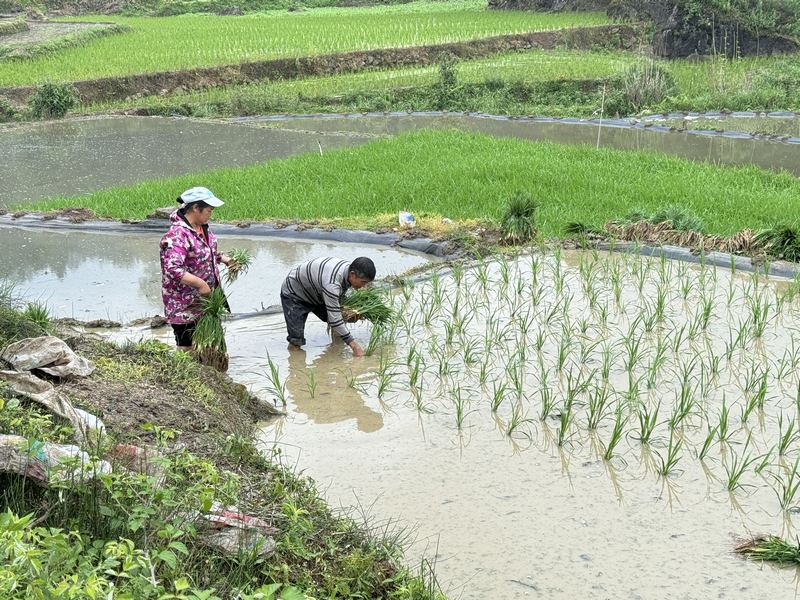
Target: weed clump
x: 780, y: 241
x: 518, y: 223
x: 52, y: 100
x: 679, y: 218
x: 646, y: 84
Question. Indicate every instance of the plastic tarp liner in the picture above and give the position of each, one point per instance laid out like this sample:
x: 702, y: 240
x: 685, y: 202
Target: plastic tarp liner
x: 48, y: 354
x: 43, y: 393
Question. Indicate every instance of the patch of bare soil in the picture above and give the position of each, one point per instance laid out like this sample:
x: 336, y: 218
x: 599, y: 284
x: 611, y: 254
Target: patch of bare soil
x: 124, y: 406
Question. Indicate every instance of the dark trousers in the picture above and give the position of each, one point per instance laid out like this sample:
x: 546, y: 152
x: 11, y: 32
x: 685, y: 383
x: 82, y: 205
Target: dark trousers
x: 295, y: 313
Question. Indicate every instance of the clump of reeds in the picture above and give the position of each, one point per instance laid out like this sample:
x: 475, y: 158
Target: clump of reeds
x: 367, y: 304
x: 209, y: 335
x: 518, y: 223
x: 240, y: 263
x: 771, y: 548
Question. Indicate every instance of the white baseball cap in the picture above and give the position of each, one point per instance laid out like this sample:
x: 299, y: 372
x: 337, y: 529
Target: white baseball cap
x: 200, y: 194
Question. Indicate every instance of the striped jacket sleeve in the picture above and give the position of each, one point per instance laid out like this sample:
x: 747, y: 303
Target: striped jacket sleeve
x: 331, y: 294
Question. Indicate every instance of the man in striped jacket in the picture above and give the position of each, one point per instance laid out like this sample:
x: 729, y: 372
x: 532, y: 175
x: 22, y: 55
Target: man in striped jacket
x: 318, y: 286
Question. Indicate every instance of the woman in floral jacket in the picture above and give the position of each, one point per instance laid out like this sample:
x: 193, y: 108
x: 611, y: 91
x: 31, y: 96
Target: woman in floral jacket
x: 189, y: 262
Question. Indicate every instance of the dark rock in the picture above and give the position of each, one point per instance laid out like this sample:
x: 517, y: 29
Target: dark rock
x: 680, y: 33
x: 103, y: 324
x: 157, y: 321
x: 162, y: 213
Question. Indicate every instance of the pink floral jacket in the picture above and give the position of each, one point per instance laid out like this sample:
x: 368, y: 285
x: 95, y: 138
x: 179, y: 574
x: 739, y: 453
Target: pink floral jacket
x: 184, y: 250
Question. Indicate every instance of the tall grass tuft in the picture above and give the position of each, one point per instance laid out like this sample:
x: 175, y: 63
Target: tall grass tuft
x: 209, y: 335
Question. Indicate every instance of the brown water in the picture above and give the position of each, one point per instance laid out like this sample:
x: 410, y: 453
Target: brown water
x: 620, y: 135
x: 84, y: 155
x: 117, y: 276
x: 508, y: 512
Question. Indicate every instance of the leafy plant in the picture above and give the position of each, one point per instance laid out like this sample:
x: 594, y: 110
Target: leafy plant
x: 52, y: 100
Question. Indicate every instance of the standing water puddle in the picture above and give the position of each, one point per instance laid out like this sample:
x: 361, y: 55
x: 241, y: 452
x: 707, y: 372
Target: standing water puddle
x: 91, y: 276
x: 81, y: 156
x: 482, y: 423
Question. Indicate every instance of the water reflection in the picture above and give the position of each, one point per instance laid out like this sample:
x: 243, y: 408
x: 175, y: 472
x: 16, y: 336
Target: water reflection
x: 80, y: 156
x: 333, y: 400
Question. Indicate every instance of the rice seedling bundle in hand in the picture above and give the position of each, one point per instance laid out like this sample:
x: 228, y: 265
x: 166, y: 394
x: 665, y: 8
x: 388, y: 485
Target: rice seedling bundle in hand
x: 240, y: 263
x: 366, y: 303
x: 209, y: 335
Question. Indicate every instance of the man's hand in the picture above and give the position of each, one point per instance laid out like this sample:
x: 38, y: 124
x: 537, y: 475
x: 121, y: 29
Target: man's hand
x: 357, y: 349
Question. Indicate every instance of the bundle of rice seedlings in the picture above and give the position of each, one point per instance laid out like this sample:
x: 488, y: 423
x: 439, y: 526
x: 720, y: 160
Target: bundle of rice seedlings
x: 209, y: 335
x: 366, y: 303
x: 241, y: 261
x: 770, y: 548
x: 517, y: 225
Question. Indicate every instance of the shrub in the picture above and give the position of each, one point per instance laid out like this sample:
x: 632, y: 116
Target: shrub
x: 53, y: 100
x: 780, y: 241
x: 518, y: 222
x: 7, y: 110
x: 448, y: 79
x: 646, y: 84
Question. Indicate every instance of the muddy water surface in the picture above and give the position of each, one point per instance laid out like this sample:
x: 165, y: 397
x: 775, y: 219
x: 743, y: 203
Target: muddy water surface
x: 84, y: 155
x: 91, y: 276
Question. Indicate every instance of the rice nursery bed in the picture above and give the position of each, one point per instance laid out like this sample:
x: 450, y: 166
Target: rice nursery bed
x: 189, y: 41
x: 574, y: 423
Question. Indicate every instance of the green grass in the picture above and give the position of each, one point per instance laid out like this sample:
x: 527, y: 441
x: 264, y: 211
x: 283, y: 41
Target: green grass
x: 531, y: 66
x: 742, y: 84
x: 468, y: 176
x: 188, y: 41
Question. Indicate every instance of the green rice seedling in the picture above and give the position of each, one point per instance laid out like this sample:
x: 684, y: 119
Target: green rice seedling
x: 770, y: 548
x: 586, y: 351
x: 786, y: 437
x: 616, y: 433
x: 684, y: 407
x: 516, y: 420
x: 706, y: 310
x: 449, y: 333
x: 539, y: 340
x: 788, y: 487
x: 669, y: 464
x: 564, y: 423
x: 498, y: 395
x: 616, y: 283
x: 311, y: 381
x: 564, y: 350
x: 546, y: 395
x: 633, y: 351
x: 276, y: 386
x: 240, y: 263
x: 598, y: 402
x: 461, y: 404
x: 416, y: 372
x: 731, y: 292
x: 738, y: 466
x: 375, y: 339
x: 759, y: 314
x: 678, y: 338
x: 763, y: 461
x: 647, y: 422
x: 723, y: 432
x: 483, y: 372
x: 385, y: 375
x: 457, y: 272
x: 471, y: 353
x: 708, y: 442
x: 656, y: 363
x: 367, y: 303
x: 606, y: 361
x: 209, y: 335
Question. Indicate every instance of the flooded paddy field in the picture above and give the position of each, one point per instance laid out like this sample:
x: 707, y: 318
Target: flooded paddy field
x: 557, y: 426
x: 117, y: 277
x: 564, y: 426
x: 84, y: 155
x: 623, y: 134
